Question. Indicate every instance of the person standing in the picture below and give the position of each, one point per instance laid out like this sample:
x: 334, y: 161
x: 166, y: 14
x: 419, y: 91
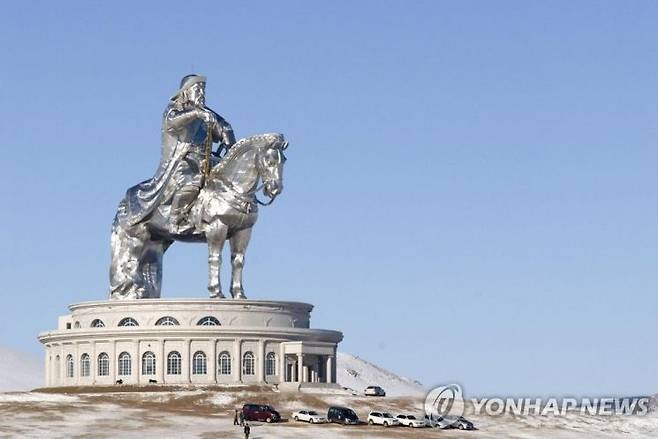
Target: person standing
x: 247, y: 431
x: 241, y: 418
x: 235, y: 419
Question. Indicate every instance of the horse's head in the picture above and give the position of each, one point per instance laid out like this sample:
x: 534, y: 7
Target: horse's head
x: 269, y: 161
x: 251, y: 159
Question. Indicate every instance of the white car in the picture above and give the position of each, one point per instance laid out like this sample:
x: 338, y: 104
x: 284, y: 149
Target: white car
x: 411, y: 421
x: 374, y: 391
x: 309, y: 416
x: 382, y: 418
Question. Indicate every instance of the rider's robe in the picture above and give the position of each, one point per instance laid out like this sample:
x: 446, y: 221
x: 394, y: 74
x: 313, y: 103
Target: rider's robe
x: 183, y: 142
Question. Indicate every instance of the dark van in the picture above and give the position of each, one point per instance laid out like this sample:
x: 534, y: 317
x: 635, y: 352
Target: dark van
x: 342, y: 415
x: 261, y: 413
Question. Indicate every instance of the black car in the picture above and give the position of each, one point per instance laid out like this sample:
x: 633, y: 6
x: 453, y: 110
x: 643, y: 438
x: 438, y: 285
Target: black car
x: 342, y: 415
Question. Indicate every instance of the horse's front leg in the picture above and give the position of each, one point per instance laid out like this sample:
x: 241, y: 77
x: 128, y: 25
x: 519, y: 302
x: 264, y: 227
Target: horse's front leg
x: 216, y: 236
x: 239, y: 242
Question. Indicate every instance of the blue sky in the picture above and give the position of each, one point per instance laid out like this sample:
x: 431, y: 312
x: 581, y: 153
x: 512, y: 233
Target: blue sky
x: 470, y: 192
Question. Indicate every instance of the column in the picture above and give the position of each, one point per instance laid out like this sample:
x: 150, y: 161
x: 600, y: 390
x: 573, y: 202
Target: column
x: 76, y: 364
x: 47, y: 364
x: 62, y: 365
x: 160, y: 362
x: 300, y: 368
x: 93, y: 363
x: 113, y: 362
x: 333, y: 369
x: 282, y: 364
x: 137, y: 363
x: 329, y: 372
x: 260, y: 366
x: 186, y: 354
x: 237, y: 362
x: 212, y: 361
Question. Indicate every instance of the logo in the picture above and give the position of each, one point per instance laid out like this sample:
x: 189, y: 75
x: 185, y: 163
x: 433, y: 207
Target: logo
x: 444, y: 405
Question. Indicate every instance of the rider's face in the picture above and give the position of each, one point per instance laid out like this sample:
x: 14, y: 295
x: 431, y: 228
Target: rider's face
x: 196, y: 94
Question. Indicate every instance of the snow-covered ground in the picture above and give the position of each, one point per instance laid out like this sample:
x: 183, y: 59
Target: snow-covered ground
x: 208, y: 412
x: 19, y: 371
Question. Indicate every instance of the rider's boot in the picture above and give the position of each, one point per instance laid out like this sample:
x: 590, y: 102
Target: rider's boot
x: 180, y: 206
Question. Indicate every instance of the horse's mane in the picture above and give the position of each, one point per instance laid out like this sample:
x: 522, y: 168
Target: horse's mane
x: 245, y: 144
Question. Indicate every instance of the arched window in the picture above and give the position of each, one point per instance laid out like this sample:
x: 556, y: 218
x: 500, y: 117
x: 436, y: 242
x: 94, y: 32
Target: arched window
x: 85, y: 365
x: 167, y: 321
x: 97, y: 323
x: 103, y: 365
x: 199, y: 364
x: 270, y: 364
x: 208, y: 321
x: 128, y: 321
x: 224, y: 363
x: 69, y: 366
x: 148, y: 363
x: 173, y: 363
x: 125, y: 364
x: 248, y: 364
x: 77, y: 325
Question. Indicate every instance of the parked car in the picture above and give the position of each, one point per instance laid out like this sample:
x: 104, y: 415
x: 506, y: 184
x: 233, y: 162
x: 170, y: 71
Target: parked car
x: 437, y: 422
x: 450, y: 422
x: 259, y: 412
x: 309, y: 416
x: 464, y: 424
x: 411, y: 421
x: 382, y: 418
x: 374, y: 391
x: 342, y: 415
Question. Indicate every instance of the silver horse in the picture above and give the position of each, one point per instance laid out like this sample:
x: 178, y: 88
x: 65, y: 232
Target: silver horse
x: 226, y: 209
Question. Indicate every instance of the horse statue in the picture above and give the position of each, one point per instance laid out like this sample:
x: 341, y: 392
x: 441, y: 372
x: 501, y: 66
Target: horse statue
x: 226, y: 209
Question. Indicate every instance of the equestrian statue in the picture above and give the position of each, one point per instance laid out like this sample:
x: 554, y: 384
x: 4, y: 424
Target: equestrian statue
x: 196, y: 195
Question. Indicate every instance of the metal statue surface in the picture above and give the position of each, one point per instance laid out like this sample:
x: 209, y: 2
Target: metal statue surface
x: 196, y: 195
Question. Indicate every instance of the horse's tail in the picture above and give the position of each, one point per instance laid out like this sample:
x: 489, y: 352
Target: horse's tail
x: 136, y: 266
x: 126, y: 243
x: 123, y: 268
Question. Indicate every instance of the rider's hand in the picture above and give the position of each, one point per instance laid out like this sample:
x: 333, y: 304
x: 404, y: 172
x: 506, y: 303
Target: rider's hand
x: 208, y: 116
x: 205, y: 115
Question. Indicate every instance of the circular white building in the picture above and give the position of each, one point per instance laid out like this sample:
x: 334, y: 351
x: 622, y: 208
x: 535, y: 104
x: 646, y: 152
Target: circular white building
x: 190, y: 341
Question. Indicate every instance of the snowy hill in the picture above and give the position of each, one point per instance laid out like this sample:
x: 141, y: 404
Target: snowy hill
x: 357, y: 374
x: 19, y: 371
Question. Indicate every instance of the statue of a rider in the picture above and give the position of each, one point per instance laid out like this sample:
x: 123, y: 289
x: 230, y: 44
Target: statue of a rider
x: 188, y: 129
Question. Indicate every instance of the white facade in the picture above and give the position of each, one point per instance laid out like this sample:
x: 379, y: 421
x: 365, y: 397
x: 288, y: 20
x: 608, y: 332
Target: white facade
x: 189, y: 341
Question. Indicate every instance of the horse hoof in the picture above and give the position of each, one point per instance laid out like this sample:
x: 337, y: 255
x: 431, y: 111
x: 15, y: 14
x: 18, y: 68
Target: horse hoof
x: 239, y: 296
x: 217, y: 296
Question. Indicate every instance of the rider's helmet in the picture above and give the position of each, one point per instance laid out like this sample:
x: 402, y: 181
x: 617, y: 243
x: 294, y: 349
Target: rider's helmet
x: 187, y: 82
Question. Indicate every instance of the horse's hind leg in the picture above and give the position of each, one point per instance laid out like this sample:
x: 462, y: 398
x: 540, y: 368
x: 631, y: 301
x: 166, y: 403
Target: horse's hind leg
x: 151, y: 269
x: 239, y: 243
x: 216, y: 236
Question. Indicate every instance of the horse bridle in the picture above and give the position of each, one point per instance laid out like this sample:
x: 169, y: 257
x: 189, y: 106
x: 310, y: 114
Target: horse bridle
x: 281, y: 157
x: 251, y: 194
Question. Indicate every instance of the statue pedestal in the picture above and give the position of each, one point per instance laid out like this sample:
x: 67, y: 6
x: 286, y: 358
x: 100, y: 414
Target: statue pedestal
x: 189, y: 341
